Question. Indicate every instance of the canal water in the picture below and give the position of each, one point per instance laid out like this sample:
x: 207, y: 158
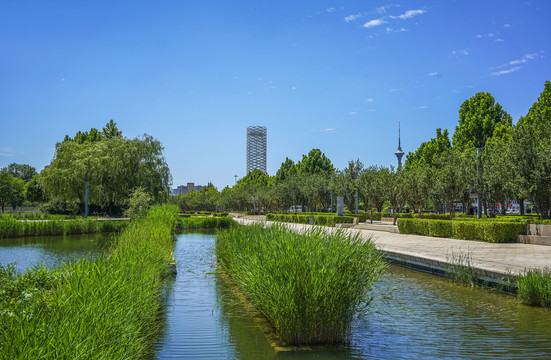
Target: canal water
x: 51, y: 251
x: 415, y: 316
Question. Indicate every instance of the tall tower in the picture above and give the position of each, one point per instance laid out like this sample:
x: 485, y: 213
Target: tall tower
x: 399, y: 153
x: 256, y: 148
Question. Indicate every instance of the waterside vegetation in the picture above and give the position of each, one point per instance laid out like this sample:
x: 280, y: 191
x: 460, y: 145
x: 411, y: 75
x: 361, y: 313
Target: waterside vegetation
x: 10, y: 227
x: 107, y: 308
x: 308, y: 286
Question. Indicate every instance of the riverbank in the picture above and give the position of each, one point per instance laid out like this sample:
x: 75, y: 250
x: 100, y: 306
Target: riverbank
x: 492, y: 263
x: 106, y: 307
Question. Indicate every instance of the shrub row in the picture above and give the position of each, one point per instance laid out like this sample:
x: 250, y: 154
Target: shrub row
x: 327, y: 220
x: 10, y: 227
x: 310, y: 287
x: 495, y: 232
x: 103, y: 308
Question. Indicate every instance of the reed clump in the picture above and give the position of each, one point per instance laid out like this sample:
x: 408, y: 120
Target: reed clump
x: 105, y: 308
x: 11, y: 227
x: 534, y: 287
x: 309, y: 287
x: 201, y: 222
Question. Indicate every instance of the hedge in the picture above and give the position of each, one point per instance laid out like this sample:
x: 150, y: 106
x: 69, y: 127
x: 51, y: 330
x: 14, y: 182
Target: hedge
x: 328, y: 220
x: 489, y: 231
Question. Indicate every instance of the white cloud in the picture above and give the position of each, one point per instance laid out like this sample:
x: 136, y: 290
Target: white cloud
x: 460, y: 52
x: 506, y: 26
x: 327, y: 129
x: 434, y: 74
x: 330, y: 10
x: 508, y: 71
x: 390, y: 30
x: 499, y: 40
x: 6, y: 152
x: 353, y: 113
x: 409, y: 14
x: 382, y: 9
x: 422, y: 107
x: 350, y: 18
x: 368, y: 100
x: 373, y: 23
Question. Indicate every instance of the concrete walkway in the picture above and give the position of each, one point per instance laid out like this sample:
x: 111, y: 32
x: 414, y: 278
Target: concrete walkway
x: 493, y: 262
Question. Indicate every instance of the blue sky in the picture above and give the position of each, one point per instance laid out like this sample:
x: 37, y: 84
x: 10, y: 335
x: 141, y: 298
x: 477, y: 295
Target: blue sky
x: 333, y: 75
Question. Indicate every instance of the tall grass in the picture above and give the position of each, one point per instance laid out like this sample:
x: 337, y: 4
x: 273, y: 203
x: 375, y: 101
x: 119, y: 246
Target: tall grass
x: 309, y: 287
x: 534, y: 287
x: 207, y: 222
x: 460, y: 269
x: 106, y: 308
x: 10, y: 227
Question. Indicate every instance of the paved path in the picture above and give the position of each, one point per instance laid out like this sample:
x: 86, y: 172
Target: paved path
x: 492, y: 261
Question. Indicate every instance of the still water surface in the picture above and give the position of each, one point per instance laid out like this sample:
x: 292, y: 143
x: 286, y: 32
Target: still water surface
x: 30, y: 251
x: 415, y: 316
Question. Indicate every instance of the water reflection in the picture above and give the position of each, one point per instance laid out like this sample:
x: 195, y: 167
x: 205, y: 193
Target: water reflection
x: 415, y: 316
x: 51, y: 250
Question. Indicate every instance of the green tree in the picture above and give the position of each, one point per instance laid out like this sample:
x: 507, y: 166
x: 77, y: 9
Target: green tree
x: 11, y: 190
x: 372, y: 188
x: 478, y: 117
x: 315, y: 163
x: 33, y: 190
x: 113, y: 168
x: 21, y: 171
x: 417, y: 186
x: 395, y: 190
x: 287, y: 169
x: 530, y: 153
x: 138, y: 204
x: 429, y: 151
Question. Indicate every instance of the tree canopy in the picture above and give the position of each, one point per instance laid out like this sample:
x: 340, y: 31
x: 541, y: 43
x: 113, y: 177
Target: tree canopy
x: 113, y: 165
x: 429, y: 151
x: 478, y: 117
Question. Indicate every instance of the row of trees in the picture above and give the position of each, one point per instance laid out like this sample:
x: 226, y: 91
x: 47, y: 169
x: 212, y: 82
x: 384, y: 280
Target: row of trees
x: 489, y: 157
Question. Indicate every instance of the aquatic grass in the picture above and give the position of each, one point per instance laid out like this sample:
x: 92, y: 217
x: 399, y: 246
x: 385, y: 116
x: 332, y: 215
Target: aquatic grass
x: 534, y: 287
x: 308, y: 286
x: 460, y: 268
x: 105, y: 308
x: 10, y: 227
x: 202, y: 222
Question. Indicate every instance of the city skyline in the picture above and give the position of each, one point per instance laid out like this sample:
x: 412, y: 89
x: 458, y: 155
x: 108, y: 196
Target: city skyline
x: 327, y: 75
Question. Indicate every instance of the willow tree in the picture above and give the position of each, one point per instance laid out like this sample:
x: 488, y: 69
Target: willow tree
x: 113, y: 166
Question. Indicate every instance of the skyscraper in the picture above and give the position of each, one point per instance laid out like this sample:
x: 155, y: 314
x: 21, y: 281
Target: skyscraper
x: 256, y: 148
x: 399, y: 153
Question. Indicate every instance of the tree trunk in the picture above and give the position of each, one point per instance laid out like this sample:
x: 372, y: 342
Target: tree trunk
x: 503, y: 209
x: 521, y: 202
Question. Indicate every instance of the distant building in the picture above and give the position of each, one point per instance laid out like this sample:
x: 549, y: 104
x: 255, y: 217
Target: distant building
x: 185, y: 189
x: 256, y: 148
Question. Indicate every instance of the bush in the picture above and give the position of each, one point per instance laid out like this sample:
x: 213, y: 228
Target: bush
x: 440, y: 228
x: 328, y: 220
x: 489, y: 231
x: 58, y: 206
